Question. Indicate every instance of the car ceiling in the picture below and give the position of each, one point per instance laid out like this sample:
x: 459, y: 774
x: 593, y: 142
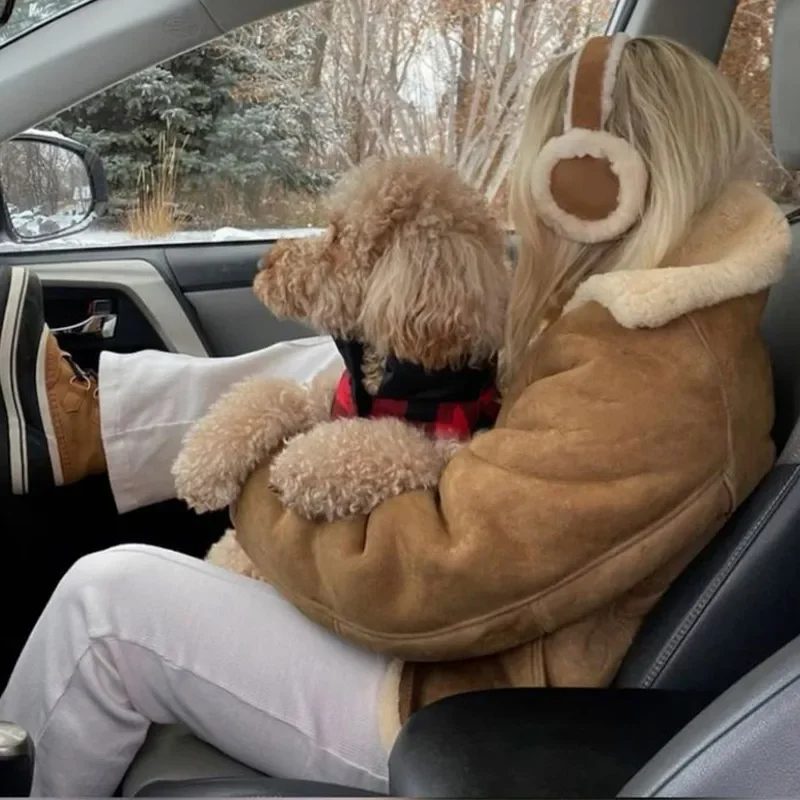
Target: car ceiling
x: 101, y: 43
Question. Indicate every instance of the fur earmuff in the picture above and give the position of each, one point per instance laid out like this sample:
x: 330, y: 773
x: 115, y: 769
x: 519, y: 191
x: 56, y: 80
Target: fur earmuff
x: 590, y: 185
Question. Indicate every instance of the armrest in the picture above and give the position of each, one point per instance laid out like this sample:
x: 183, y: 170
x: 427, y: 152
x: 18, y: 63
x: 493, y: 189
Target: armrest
x: 536, y: 742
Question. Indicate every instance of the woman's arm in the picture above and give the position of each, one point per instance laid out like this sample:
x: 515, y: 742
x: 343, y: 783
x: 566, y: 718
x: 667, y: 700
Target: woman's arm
x: 586, y: 488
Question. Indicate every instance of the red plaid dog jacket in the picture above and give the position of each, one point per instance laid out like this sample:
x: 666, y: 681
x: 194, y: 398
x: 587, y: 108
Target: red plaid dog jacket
x: 445, y: 403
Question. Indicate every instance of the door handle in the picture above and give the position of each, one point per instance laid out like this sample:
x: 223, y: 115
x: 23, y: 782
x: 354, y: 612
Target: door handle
x: 100, y: 323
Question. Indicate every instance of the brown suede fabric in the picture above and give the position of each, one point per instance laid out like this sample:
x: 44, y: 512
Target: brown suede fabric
x: 617, y: 456
x: 586, y: 182
x: 569, y: 181
x: 587, y: 93
x: 75, y: 414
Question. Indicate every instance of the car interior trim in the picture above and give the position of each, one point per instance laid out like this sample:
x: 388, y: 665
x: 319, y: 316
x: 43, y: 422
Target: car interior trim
x: 144, y: 284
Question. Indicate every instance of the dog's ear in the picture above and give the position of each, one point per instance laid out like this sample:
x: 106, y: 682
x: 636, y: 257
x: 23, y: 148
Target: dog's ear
x: 437, y: 299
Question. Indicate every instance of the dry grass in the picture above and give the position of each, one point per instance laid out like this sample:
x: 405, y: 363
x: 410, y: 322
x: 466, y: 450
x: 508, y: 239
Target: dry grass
x: 218, y: 204
x: 153, y: 216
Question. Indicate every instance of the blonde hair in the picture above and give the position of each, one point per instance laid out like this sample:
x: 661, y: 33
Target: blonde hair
x: 694, y: 136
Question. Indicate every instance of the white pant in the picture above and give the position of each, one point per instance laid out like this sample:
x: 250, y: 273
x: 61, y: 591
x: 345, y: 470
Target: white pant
x: 149, y: 400
x: 136, y: 634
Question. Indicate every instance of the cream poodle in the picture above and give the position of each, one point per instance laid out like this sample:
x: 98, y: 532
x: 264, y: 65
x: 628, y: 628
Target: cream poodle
x: 411, y: 280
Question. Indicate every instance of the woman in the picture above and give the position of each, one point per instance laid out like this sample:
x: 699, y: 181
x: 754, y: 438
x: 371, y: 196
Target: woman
x: 636, y: 418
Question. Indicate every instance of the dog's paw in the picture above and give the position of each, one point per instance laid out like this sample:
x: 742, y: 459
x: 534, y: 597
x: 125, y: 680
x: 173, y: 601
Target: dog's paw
x: 347, y: 467
x: 228, y: 554
x: 239, y: 432
x: 321, y: 394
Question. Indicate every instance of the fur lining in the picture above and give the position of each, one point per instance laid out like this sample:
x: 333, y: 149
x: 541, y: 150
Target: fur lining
x: 573, y: 76
x: 738, y: 247
x: 389, y: 705
x: 610, y: 75
x: 626, y: 163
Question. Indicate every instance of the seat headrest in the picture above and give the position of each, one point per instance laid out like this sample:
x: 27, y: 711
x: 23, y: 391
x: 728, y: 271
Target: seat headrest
x: 785, y: 85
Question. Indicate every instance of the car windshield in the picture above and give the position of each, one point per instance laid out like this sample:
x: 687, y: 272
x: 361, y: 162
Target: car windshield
x: 29, y: 14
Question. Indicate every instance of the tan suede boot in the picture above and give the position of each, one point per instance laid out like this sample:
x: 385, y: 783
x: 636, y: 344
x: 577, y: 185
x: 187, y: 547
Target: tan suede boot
x: 74, y: 406
x: 49, y: 408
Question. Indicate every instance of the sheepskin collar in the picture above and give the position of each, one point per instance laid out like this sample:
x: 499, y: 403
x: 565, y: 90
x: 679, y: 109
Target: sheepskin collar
x: 738, y: 247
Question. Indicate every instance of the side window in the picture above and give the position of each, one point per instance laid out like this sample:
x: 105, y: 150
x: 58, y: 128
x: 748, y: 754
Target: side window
x: 240, y: 138
x: 746, y: 61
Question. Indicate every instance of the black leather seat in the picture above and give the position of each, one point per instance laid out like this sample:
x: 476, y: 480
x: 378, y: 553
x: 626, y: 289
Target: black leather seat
x: 739, y: 601
x: 736, y: 605
x: 745, y: 744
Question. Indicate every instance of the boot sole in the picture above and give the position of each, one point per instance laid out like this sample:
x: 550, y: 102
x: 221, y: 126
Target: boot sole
x: 25, y: 423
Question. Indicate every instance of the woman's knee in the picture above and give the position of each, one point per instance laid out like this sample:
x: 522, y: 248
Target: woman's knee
x: 118, y: 571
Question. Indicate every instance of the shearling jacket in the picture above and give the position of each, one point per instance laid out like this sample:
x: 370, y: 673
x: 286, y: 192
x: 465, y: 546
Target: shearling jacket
x: 639, y: 422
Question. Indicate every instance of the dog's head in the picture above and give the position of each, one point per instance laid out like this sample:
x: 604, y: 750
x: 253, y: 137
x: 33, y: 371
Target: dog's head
x: 412, y: 263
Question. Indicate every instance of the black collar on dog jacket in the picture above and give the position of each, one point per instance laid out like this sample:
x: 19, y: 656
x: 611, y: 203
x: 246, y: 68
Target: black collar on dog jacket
x: 445, y: 403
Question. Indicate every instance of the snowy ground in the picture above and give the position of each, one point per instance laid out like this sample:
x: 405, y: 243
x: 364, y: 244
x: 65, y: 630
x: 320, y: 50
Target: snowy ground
x: 89, y: 238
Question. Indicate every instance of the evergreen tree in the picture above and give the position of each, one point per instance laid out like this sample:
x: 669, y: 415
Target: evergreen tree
x: 194, y: 100
x: 236, y: 110
x: 184, y: 98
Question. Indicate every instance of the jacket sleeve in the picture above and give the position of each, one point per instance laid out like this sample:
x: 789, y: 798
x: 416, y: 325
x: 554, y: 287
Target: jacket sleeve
x: 587, y: 485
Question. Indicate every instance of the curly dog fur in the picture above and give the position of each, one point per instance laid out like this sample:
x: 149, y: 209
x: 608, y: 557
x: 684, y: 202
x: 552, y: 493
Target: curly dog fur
x: 413, y: 265
x: 356, y: 464
x: 243, y: 428
x: 228, y: 554
x: 239, y: 431
x: 412, y: 262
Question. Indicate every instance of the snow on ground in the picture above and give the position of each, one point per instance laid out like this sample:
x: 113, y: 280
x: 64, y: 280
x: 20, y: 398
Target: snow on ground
x: 90, y: 239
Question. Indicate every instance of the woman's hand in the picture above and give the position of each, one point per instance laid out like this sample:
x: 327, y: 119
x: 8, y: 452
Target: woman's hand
x: 347, y: 467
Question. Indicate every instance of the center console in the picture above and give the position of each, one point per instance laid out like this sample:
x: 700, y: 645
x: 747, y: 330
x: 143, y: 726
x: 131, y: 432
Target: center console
x: 542, y: 743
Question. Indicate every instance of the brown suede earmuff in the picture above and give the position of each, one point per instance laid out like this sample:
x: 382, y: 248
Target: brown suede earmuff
x: 588, y: 184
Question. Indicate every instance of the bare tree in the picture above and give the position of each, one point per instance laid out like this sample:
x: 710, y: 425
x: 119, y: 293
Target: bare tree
x: 746, y: 59
x: 746, y: 62
x: 445, y: 77
x: 451, y: 78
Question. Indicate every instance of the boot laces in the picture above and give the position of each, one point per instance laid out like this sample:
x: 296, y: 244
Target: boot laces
x: 86, y: 379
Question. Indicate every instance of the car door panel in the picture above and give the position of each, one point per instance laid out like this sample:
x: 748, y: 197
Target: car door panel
x: 139, y: 280
x: 234, y: 321
x: 216, y: 280
x: 67, y: 305
x: 202, y: 267
x: 193, y: 299
x: 152, y: 311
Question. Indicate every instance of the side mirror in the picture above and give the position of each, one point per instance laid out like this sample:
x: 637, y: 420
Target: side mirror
x: 6, y: 10
x: 50, y: 186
